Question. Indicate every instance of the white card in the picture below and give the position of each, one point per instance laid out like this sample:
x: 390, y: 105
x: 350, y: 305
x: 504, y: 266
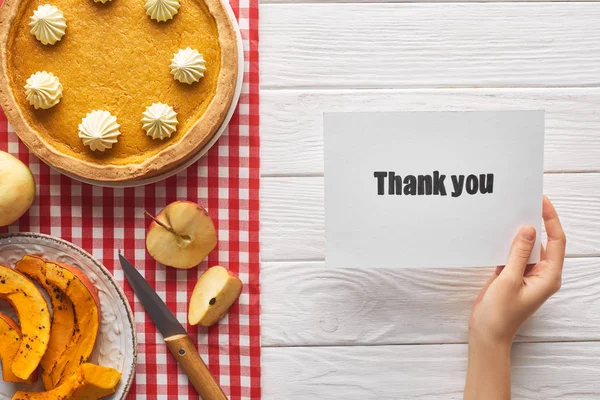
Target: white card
x: 463, y: 184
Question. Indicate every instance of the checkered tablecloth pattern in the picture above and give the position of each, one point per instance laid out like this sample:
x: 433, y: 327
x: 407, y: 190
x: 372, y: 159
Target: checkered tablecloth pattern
x: 101, y: 220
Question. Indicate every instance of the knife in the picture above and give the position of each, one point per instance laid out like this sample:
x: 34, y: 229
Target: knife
x: 178, y: 341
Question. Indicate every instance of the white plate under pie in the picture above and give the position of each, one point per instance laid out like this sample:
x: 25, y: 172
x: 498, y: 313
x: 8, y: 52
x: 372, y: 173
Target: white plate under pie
x: 116, y: 346
x: 205, y: 149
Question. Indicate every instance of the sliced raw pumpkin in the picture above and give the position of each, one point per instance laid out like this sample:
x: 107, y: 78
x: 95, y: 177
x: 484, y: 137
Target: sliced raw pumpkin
x: 34, y: 318
x: 89, y: 382
x: 83, y: 295
x: 10, y: 339
x: 63, y: 317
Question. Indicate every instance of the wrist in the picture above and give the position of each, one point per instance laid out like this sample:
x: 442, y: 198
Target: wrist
x: 488, y: 371
x: 489, y: 343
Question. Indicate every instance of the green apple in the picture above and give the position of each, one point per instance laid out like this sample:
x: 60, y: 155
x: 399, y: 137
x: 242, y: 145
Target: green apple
x: 17, y: 189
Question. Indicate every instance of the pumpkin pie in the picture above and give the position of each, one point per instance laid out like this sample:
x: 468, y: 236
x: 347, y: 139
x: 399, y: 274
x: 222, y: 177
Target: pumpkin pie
x: 159, y: 78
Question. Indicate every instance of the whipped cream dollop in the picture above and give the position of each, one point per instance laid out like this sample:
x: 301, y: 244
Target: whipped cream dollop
x: 99, y: 130
x: 188, y: 66
x: 43, y: 90
x: 48, y: 24
x: 162, y: 10
x: 159, y: 121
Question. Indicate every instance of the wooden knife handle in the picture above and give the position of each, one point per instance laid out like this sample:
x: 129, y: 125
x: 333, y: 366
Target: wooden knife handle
x: 187, y: 356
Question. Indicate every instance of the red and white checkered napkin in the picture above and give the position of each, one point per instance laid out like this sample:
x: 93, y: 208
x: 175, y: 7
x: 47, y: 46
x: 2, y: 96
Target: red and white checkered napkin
x: 101, y: 220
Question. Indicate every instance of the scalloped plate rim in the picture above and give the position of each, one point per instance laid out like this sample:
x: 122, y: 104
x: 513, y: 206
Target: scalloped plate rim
x: 107, y: 274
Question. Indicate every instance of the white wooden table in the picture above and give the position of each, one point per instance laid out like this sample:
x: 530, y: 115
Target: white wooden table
x: 401, y: 334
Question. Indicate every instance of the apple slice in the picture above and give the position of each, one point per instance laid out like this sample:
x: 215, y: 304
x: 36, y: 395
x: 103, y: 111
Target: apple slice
x: 214, y: 293
x: 182, y: 235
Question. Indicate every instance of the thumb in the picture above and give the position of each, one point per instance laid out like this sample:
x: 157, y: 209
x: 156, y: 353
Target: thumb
x: 520, y: 252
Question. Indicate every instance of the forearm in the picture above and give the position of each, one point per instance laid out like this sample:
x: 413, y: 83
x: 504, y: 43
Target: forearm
x: 488, y: 372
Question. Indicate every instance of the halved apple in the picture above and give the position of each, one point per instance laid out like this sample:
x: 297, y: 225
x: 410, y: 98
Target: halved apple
x: 83, y: 295
x: 88, y: 382
x: 34, y: 318
x: 181, y: 235
x: 63, y: 316
x: 10, y: 340
x: 215, y: 292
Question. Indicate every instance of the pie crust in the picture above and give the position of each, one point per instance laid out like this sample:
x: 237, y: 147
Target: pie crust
x: 176, y: 153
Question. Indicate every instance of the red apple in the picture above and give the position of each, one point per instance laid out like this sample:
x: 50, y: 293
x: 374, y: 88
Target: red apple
x: 182, y: 235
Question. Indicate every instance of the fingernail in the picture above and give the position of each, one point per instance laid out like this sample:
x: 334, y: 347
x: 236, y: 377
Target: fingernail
x: 528, y: 233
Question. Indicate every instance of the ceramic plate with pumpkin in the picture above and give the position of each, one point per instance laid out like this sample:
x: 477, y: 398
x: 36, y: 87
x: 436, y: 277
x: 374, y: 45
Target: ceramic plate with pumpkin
x: 117, y: 91
x: 74, y: 323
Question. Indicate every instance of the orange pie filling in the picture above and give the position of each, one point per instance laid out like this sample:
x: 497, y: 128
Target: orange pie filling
x: 114, y: 57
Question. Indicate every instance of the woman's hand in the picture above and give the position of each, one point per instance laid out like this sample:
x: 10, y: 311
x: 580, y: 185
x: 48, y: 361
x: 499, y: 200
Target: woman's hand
x: 514, y: 292
x: 511, y: 295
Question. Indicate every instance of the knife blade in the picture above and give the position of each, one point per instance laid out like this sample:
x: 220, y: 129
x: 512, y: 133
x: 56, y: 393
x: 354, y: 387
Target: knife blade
x: 174, y: 334
x: 158, y: 311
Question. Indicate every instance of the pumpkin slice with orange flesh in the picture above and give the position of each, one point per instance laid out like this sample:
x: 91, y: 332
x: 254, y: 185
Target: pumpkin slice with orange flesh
x: 89, y: 382
x: 63, y: 317
x: 34, y: 318
x: 10, y: 339
x: 86, y: 306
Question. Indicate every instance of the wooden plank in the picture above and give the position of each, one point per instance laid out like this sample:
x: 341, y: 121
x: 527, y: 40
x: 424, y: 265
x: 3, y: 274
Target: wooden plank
x: 430, y: 45
x: 407, y: 1
x: 540, y: 371
x: 293, y: 215
x: 306, y: 303
x: 296, y: 117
